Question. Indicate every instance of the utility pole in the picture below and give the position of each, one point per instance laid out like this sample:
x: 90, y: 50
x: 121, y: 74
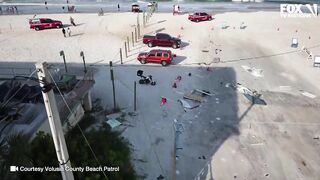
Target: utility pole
x: 54, y: 121
x: 64, y: 60
x: 84, y: 62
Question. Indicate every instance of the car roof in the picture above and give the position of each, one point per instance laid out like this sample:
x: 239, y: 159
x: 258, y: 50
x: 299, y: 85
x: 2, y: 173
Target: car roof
x: 160, y: 50
x: 39, y: 18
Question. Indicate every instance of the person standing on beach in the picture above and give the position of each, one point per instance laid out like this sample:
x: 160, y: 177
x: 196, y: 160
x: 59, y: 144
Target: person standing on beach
x: 64, y: 32
x: 16, y: 8
x: 69, y: 32
x: 72, y: 21
x: 118, y: 7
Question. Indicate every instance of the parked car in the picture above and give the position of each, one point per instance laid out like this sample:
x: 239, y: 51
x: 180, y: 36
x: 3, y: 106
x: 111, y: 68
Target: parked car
x: 200, y: 16
x: 162, y: 39
x: 163, y: 57
x: 44, y: 23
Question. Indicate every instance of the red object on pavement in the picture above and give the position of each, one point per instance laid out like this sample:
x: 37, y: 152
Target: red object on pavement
x: 163, y: 101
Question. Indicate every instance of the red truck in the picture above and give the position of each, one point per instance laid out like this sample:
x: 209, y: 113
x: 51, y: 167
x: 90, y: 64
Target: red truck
x: 44, y: 23
x: 162, y: 39
x: 164, y: 57
x: 200, y: 16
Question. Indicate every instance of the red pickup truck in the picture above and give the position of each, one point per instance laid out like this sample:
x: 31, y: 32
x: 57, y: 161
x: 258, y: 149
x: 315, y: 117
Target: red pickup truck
x: 164, y: 57
x: 200, y: 16
x: 161, y: 39
x: 44, y: 23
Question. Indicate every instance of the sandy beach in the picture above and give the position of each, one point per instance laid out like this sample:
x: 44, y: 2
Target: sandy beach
x: 237, y: 140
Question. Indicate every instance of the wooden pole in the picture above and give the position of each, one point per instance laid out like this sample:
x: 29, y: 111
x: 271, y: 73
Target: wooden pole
x: 125, y: 49
x: 113, y: 88
x: 135, y: 33
x: 135, y: 96
x: 128, y: 44
x: 144, y: 19
x: 121, y: 56
x: 132, y: 37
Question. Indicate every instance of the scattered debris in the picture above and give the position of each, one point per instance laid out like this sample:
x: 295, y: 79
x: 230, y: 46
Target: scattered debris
x: 115, y: 115
x: 174, y: 85
x: 188, y: 105
x: 204, y: 92
x: 197, y: 95
x: 163, y: 101
x: 251, y: 95
x: 309, y: 53
x: 317, y: 137
x: 178, y: 79
x: 160, y: 177
x: 242, y: 26
x: 224, y: 26
x: 266, y: 175
x: 201, y: 157
x: 308, y: 94
x: 285, y: 88
x: 217, y: 50
x: 113, y: 123
x: 189, y: 74
x: 216, y: 59
x: 132, y: 113
x: 205, y: 50
x: 253, y: 71
x: 193, y: 96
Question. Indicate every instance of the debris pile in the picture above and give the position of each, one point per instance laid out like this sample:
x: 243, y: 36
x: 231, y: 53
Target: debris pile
x: 115, y: 120
x: 253, y: 71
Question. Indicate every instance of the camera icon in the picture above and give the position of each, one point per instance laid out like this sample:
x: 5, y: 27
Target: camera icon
x: 14, y: 168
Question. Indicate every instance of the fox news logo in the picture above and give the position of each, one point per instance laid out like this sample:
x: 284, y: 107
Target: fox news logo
x: 299, y: 10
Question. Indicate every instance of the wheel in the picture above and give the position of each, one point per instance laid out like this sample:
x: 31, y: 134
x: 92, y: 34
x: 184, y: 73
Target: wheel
x: 37, y: 28
x: 197, y: 20
x: 210, y: 18
x: 174, y: 46
x: 164, y: 63
x: 143, y: 61
x: 141, y: 81
x: 150, y: 44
